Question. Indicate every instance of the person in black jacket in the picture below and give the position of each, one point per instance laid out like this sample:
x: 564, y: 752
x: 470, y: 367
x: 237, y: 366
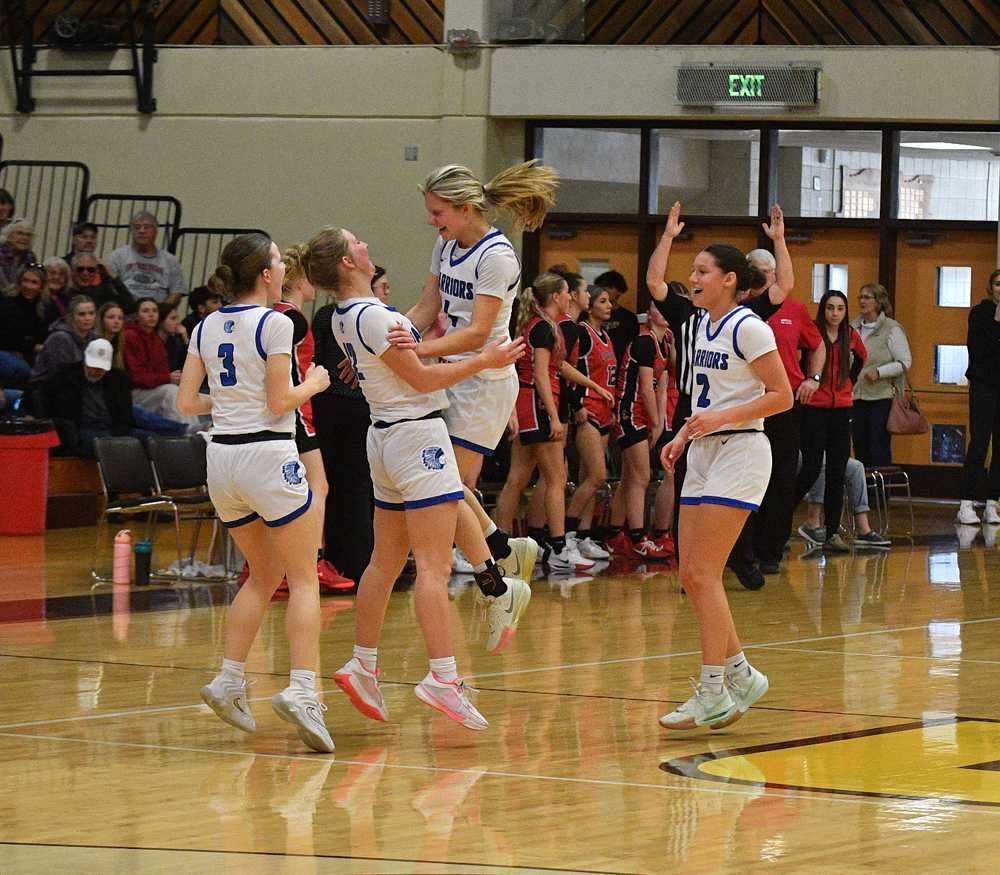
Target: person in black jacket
x: 25, y: 315
x: 91, y: 398
x: 341, y: 418
x: 983, y: 375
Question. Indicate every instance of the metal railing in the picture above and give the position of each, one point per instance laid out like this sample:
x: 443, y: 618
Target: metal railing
x: 198, y: 250
x: 51, y: 194
x: 112, y: 213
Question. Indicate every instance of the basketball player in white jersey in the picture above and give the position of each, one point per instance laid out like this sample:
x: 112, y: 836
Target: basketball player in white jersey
x: 474, y: 279
x: 256, y: 480
x: 738, y: 380
x: 418, y: 488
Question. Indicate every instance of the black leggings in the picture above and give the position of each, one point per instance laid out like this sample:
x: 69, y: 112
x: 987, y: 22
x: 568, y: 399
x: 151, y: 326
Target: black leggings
x: 825, y: 430
x: 984, y: 425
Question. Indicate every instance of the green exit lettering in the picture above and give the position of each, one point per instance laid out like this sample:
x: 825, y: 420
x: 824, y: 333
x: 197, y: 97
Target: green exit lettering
x: 751, y: 85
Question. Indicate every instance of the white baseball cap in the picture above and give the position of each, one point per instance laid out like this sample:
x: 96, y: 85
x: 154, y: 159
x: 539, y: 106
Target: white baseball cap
x: 99, y: 354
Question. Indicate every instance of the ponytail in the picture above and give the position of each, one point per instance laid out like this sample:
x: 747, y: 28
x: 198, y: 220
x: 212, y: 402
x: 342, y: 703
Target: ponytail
x: 532, y: 302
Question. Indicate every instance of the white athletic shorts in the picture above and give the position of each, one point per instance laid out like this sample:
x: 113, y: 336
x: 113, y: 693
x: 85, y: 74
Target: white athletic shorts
x: 729, y: 469
x: 479, y: 411
x: 264, y: 479
x: 413, y: 465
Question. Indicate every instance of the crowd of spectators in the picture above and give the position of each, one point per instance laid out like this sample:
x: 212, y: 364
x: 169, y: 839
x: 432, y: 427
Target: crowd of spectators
x: 62, y: 320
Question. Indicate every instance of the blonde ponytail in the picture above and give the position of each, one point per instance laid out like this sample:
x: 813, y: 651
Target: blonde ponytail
x: 532, y: 302
x: 524, y: 191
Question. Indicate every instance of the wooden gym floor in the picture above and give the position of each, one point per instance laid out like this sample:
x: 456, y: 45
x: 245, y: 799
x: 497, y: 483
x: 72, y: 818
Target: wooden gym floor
x: 877, y: 749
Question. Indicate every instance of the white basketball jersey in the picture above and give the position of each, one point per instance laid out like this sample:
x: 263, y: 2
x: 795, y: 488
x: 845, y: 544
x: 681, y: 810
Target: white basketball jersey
x: 233, y: 343
x: 722, y: 374
x: 361, y: 326
x: 489, y: 267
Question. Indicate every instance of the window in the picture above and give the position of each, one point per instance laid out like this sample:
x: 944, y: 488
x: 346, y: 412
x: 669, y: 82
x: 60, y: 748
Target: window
x: 828, y: 276
x: 598, y: 168
x: 954, y: 287
x: 950, y: 363
x: 712, y: 173
x: 830, y: 173
x: 949, y: 175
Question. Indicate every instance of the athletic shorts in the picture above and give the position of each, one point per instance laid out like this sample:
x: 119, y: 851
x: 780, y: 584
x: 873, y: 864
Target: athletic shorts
x: 413, y: 465
x: 533, y: 423
x: 730, y: 469
x: 628, y: 435
x: 262, y: 480
x: 600, y: 413
x: 479, y: 411
x: 305, y: 442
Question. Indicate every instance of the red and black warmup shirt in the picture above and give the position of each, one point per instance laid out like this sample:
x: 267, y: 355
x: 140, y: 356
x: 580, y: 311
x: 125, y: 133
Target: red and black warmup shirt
x: 596, y: 359
x: 539, y: 335
x: 303, y: 349
x: 571, y: 338
x: 644, y: 352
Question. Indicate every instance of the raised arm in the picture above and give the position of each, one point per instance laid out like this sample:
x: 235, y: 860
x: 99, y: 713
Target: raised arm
x: 657, y: 269
x: 784, y: 274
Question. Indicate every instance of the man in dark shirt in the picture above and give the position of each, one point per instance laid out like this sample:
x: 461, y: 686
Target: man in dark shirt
x: 623, y: 326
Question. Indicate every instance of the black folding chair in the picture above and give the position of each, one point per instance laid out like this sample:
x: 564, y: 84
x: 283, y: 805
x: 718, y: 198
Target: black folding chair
x: 180, y: 470
x: 130, y: 489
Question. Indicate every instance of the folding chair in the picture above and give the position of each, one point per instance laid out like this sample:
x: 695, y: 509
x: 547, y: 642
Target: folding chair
x: 126, y: 471
x: 180, y: 471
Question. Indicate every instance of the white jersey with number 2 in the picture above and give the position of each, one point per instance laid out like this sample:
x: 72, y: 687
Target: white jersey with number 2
x: 724, y: 350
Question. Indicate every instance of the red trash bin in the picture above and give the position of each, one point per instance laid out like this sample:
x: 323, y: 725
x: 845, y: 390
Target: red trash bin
x: 24, y: 475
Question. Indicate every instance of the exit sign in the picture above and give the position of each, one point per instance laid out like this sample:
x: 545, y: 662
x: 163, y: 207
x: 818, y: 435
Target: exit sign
x: 737, y: 85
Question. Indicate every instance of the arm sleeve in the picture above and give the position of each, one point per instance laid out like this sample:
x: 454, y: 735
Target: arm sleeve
x: 436, y: 256
x: 300, y: 325
x: 498, y: 272
x: 899, y: 349
x: 571, y: 337
x: 753, y: 338
x: 763, y: 306
x: 175, y: 276
x: 541, y: 336
x: 276, y: 335
x: 675, y: 309
x: 373, y: 328
x: 644, y: 350
x: 809, y: 336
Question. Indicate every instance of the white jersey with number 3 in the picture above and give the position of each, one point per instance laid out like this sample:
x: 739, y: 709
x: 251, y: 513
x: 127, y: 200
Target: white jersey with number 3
x: 233, y: 343
x: 724, y: 350
x: 489, y: 267
x: 361, y: 326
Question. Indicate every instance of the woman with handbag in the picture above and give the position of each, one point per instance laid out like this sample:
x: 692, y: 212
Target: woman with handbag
x: 888, y: 359
x: 984, y: 408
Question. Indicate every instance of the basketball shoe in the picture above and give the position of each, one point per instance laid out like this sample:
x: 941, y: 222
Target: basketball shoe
x: 450, y: 698
x: 748, y: 690
x: 230, y: 703
x: 305, y: 712
x: 503, y: 613
x: 362, y: 689
x: 648, y: 549
x: 522, y: 559
x: 715, y: 710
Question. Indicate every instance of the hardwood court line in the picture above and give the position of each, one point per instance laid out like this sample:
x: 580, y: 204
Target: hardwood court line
x: 499, y: 674
x: 810, y: 640
x: 299, y: 856
x: 628, y: 785
x: 888, y: 655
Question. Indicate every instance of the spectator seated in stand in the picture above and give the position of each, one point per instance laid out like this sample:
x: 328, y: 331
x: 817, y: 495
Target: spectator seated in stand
x: 15, y: 251
x: 25, y: 317
x: 92, y: 278
x: 201, y: 302
x: 174, y: 336
x: 145, y: 269
x: 64, y: 345
x: 813, y: 530
x: 58, y: 280
x: 91, y: 399
x: 84, y: 240
x: 7, y: 207
x: 154, y: 384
